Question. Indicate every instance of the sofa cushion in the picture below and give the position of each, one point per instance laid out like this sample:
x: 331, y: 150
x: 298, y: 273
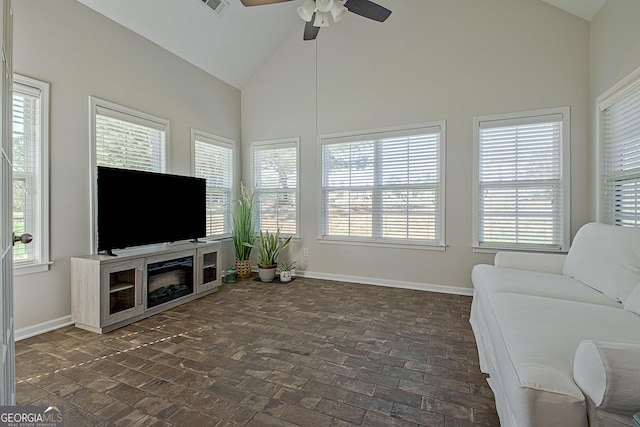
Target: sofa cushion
x: 542, y: 335
x: 517, y: 405
x: 496, y: 279
x: 632, y: 303
x: 607, y: 258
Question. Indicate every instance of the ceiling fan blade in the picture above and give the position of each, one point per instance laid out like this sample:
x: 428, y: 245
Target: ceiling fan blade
x: 310, y: 31
x: 260, y: 2
x: 368, y: 9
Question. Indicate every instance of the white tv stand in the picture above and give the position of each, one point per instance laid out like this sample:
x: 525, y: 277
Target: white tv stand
x: 109, y: 292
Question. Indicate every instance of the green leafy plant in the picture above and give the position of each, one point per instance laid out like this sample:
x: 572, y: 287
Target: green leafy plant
x: 269, y: 246
x: 286, y: 266
x: 243, y: 224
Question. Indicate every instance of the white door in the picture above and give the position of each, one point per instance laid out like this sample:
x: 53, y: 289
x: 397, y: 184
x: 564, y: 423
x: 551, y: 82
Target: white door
x: 7, y: 375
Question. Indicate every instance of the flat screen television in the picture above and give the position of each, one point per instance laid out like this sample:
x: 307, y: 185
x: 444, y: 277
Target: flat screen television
x: 137, y: 208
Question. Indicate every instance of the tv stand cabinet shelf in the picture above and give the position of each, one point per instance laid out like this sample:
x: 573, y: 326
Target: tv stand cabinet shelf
x: 110, y: 292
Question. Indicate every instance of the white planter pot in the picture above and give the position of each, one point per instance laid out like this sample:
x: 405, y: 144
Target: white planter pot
x: 285, y: 276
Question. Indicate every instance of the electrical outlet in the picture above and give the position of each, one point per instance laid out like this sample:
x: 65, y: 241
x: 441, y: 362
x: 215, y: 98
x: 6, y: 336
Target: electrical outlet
x: 305, y: 251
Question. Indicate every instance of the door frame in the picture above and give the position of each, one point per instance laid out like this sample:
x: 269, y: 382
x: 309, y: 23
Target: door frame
x: 7, y: 339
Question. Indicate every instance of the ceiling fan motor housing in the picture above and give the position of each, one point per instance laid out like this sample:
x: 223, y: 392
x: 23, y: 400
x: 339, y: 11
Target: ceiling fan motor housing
x: 321, y: 9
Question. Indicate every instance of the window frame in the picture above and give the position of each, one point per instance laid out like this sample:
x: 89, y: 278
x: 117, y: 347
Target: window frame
x: 209, y: 138
x: 515, y: 119
x: 41, y: 232
x: 277, y: 144
x: 380, y: 134
x: 121, y: 112
x: 618, y: 92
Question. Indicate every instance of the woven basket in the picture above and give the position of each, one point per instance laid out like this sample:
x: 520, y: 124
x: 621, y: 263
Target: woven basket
x: 244, y: 268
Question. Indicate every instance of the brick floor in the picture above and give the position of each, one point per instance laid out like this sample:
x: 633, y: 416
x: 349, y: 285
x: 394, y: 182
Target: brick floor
x: 309, y: 353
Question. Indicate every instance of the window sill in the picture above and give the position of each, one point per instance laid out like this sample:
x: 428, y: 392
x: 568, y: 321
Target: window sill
x: 485, y: 250
x: 229, y: 239
x: 21, y: 270
x: 383, y: 244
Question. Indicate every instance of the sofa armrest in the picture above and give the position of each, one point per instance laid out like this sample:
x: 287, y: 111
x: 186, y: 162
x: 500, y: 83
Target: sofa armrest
x: 545, y: 263
x: 609, y: 375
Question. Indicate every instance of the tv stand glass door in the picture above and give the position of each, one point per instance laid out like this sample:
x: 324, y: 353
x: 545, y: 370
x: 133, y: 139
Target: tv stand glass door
x: 123, y: 290
x: 209, y: 272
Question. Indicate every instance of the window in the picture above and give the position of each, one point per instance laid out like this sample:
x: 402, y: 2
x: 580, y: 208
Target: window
x: 619, y: 150
x: 213, y: 160
x: 128, y: 139
x: 521, y: 184
x: 275, y: 182
x: 31, y: 173
x: 384, y: 186
x: 125, y: 138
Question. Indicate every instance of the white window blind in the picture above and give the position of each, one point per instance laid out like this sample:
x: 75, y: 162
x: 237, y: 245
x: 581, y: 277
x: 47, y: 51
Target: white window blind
x: 31, y: 173
x: 213, y: 160
x: 621, y: 159
x: 521, y: 183
x: 26, y: 140
x: 275, y: 174
x: 129, y: 139
x: 384, y: 186
x: 124, y: 138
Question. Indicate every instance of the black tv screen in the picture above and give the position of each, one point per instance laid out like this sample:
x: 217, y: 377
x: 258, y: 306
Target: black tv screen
x: 140, y: 208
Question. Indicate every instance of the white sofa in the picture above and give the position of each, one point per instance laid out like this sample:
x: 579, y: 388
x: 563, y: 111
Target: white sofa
x: 559, y: 335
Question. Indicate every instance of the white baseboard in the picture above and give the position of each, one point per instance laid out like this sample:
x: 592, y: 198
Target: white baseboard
x: 41, y: 328
x: 60, y: 322
x: 455, y: 290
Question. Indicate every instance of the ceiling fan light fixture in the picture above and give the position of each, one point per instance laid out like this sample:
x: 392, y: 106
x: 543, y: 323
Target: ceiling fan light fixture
x: 324, y: 5
x: 316, y: 12
x: 322, y: 19
x: 338, y: 11
x: 306, y: 10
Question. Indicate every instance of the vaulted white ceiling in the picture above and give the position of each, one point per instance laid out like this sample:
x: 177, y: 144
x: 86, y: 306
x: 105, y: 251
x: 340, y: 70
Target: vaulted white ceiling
x: 234, y: 45
x: 585, y: 9
x: 231, y: 46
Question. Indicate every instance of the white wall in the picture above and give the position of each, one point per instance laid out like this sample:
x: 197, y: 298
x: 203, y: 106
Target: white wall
x: 614, y: 45
x: 432, y: 60
x: 82, y: 53
x: 615, y: 53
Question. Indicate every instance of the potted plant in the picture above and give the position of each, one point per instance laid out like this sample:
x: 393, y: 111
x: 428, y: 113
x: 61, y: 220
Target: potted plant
x: 268, y: 246
x: 285, y: 270
x: 243, y: 231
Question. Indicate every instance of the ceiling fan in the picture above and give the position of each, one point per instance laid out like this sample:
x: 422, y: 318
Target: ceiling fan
x: 316, y: 12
